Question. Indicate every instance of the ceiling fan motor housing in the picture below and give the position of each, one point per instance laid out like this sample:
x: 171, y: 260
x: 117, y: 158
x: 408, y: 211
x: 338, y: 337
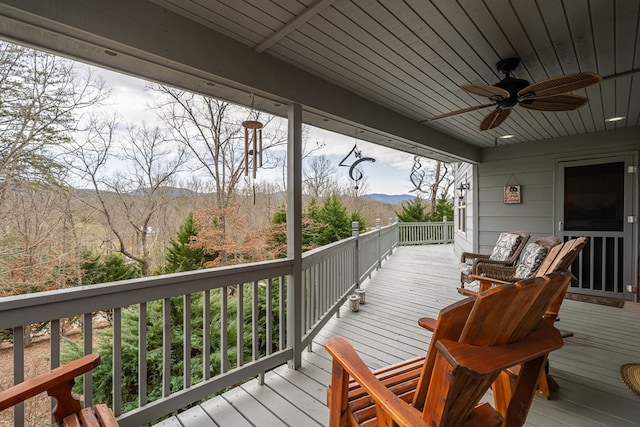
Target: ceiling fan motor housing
x: 513, y: 86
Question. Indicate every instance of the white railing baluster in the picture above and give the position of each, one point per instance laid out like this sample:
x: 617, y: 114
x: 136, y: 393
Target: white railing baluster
x: 240, y: 325
x: 166, y: 347
x: 206, y: 335
x: 54, y: 348
x: 255, y: 340
x: 224, y: 324
x: 87, y: 337
x: 186, y: 340
x: 269, y: 316
x: 142, y: 354
x: 617, y: 286
x: 116, y: 323
x: 603, y: 264
x: 282, y: 318
x: 54, y: 343
x: 18, y: 371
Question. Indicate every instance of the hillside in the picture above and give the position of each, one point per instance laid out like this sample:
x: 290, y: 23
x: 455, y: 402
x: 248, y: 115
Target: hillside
x: 395, y: 199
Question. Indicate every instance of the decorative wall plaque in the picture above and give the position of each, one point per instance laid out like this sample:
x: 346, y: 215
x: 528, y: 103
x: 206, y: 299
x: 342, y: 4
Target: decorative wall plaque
x: 512, y: 194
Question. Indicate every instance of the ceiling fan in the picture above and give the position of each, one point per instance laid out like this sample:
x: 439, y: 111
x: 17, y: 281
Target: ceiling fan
x: 547, y: 95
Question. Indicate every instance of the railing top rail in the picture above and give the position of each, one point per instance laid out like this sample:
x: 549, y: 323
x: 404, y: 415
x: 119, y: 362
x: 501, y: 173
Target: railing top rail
x: 43, y: 306
x: 329, y: 248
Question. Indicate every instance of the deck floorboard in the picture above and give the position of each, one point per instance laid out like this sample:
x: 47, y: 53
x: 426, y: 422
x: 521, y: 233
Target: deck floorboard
x: 417, y: 282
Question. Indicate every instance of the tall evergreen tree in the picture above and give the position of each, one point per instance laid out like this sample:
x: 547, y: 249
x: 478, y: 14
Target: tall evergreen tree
x: 181, y: 255
x: 321, y: 225
x: 103, y: 269
x: 413, y: 211
x: 336, y: 223
x: 442, y: 208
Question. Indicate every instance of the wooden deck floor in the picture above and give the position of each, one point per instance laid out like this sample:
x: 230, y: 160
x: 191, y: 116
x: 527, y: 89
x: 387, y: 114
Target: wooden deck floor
x: 417, y: 282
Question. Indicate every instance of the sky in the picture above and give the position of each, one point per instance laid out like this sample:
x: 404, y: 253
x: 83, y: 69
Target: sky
x: 389, y: 174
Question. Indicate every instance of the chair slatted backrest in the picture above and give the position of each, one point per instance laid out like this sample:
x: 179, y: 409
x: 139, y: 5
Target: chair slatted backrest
x: 561, y: 256
x: 560, y: 259
x: 494, y: 318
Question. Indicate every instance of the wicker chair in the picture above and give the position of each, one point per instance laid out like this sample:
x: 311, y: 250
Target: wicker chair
x: 506, y: 252
x: 530, y: 260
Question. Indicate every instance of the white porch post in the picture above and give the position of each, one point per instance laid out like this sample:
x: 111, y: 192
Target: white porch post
x: 294, y: 233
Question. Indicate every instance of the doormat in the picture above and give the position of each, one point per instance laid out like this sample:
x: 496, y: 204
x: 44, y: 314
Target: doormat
x: 608, y: 301
x: 630, y: 374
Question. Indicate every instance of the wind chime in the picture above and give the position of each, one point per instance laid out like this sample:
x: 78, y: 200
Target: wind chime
x: 252, y: 144
x: 354, y: 171
x: 417, y: 175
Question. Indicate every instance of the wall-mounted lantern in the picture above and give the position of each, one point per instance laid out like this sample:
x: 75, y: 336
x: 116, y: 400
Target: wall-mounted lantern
x: 462, y: 190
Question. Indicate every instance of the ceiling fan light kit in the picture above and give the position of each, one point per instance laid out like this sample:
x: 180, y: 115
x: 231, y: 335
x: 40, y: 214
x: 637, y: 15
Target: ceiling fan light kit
x: 552, y: 94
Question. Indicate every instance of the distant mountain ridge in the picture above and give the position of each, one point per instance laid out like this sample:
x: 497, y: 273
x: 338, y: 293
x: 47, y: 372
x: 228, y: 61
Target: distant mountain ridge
x: 392, y: 199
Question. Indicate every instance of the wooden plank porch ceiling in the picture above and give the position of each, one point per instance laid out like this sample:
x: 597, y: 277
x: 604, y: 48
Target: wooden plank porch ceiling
x: 417, y: 282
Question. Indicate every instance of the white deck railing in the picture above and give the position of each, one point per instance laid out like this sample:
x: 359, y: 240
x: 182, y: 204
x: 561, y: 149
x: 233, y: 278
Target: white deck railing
x: 258, y: 292
x: 425, y: 233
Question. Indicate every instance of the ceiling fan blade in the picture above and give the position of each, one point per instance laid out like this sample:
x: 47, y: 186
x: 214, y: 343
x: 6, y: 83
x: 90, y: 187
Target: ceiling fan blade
x: 494, y: 118
x: 564, y: 102
x: 456, y: 112
x: 486, y: 90
x: 561, y: 84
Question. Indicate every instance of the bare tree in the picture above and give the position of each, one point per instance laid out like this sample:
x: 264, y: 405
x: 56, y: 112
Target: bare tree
x: 442, y: 182
x: 434, y: 181
x: 319, y: 177
x: 356, y: 189
x: 211, y: 131
x: 41, y: 97
x: 132, y: 200
x: 31, y: 240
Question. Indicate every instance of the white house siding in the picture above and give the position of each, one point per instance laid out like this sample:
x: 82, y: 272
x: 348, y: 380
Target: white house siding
x: 533, y: 167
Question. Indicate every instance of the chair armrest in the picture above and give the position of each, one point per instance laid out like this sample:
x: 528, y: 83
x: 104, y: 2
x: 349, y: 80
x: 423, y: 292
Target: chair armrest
x: 489, y: 279
x: 429, y: 323
x: 57, y: 383
x: 486, y: 360
x: 496, y: 270
x: 491, y: 263
x: 471, y: 255
x: 345, y: 356
x: 467, y: 292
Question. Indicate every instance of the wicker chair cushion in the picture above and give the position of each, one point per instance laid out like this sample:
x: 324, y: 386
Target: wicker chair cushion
x: 466, y: 267
x: 473, y: 286
x: 505, y: 246
x: 530, y: 260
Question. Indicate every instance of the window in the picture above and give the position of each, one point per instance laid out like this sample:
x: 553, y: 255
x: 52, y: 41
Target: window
x: 461, y: 206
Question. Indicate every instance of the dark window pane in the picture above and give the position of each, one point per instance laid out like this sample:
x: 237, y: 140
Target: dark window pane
x: 593, y: 197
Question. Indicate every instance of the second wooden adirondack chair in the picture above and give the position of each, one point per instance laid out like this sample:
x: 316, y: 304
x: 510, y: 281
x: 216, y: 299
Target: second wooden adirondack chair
x: 473, y: 341
x: 559, y: 259
x: 58, y: 383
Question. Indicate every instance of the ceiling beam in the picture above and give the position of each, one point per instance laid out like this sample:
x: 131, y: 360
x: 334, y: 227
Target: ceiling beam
x: 293, y: 24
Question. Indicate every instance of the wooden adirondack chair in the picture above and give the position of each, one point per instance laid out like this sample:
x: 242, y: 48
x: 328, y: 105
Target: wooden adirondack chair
x: 559, y: 259
x: 58, y: 383
x: 473, y: 341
